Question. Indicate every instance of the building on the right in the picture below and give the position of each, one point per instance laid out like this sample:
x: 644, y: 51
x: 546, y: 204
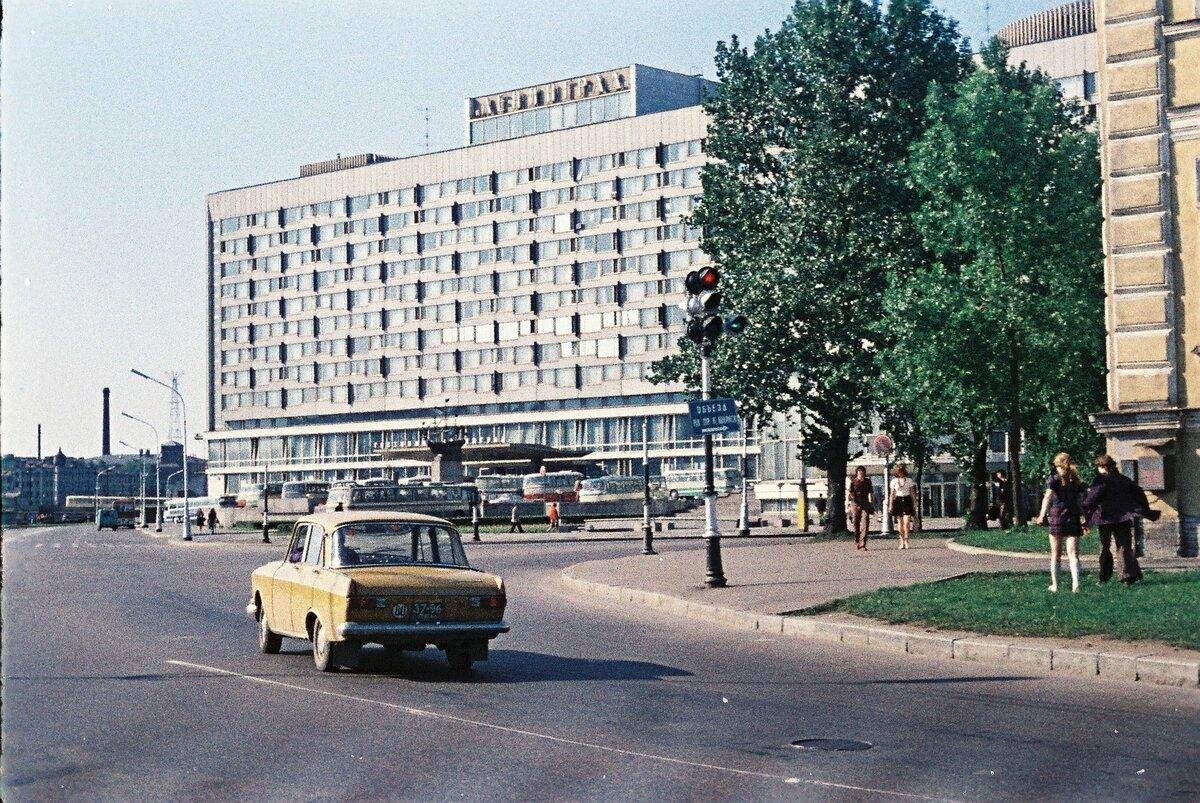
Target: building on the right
x: 1148, y: 54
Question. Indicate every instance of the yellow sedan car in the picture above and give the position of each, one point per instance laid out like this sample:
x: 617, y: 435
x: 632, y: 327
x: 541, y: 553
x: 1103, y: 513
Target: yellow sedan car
x: 396, y: 579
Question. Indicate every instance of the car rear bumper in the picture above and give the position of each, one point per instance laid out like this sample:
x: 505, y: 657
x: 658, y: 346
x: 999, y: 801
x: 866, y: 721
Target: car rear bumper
x: 401, y: 631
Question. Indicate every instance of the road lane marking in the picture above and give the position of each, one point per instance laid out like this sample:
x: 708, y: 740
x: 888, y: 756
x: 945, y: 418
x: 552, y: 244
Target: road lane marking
x: 421, y: 712
x: 38, y: 546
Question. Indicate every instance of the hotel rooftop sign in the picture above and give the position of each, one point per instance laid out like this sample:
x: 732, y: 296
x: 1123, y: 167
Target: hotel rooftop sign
x: 550, y: 94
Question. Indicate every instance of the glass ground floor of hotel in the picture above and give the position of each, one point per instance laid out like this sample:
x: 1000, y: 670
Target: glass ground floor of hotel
x: 612, y: 439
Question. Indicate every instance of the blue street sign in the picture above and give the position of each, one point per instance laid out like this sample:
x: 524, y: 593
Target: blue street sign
x: 714, y: 417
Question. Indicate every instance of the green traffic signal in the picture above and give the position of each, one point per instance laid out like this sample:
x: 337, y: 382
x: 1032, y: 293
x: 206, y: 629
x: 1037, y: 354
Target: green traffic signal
x: 736, y: 324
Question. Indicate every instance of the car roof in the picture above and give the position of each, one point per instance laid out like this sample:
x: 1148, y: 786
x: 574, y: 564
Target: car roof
x: 332, y: 520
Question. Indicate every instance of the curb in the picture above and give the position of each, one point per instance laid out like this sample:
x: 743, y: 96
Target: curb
x: 1144, y: 668
x: 978, y: 550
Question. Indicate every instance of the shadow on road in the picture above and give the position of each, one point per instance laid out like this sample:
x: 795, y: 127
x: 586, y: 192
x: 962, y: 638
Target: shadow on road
x: 512, y: 666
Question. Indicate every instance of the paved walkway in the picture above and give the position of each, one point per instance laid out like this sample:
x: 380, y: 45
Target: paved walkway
x: 790, y: 574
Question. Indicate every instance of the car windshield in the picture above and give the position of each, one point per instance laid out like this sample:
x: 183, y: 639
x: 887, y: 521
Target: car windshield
x: 383, y: 543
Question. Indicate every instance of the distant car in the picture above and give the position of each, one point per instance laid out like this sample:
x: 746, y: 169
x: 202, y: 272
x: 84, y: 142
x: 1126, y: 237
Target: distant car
x: 360, y: 577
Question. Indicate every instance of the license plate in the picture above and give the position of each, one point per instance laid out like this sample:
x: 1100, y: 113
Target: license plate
x: 427, y: 611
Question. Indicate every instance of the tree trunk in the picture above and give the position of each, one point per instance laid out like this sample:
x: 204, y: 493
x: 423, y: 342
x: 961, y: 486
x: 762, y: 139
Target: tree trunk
x: 835, y: 474
x: 919, y: 465
x: 977, y: 514
x: 1014, y: 432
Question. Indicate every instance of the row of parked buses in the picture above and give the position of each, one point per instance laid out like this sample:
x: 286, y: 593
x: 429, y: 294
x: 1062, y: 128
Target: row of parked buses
x: 455, y: 500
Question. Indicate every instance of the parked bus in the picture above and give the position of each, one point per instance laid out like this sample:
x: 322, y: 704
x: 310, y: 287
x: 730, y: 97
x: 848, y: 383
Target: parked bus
x: 250, y: 494
x: 173, y: 508
x: 315, y: 491
x: 553, y: 486
x: 121, y: 512
x: 688, y: 483
x: 499, y: 488
x: 612, y: 489
x: 435, y: 499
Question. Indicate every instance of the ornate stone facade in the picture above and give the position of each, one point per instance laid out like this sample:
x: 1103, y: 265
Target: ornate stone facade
x: 1149, y: 61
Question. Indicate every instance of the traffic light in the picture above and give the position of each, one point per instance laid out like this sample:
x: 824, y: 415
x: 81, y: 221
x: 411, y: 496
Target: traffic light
x: 703, y: 306
x: 704, y: 301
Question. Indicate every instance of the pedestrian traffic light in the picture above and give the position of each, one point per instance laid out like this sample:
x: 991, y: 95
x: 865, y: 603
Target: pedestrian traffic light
x: 704, y: 301
x: 736, y: 324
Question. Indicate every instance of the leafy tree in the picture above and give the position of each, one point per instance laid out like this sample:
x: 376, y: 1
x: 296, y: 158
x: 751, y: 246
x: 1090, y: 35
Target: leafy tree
x: 806, y: 208
x: 1004, y: 326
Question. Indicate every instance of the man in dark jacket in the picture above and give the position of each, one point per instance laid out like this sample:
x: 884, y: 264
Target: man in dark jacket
x: 1112, y: 504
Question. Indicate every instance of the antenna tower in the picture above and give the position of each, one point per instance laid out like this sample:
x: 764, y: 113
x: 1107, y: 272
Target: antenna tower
x: 175, y: 430
x: 987, y: 18
x: 427, y: 129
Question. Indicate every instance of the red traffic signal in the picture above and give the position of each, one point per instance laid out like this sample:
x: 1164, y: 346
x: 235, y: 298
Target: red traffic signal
x: 702, y: 281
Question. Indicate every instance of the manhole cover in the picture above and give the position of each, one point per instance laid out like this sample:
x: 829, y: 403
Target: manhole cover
x: 831, y: 744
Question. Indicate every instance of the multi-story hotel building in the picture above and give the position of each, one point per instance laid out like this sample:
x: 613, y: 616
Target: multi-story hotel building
x: 519, y: 287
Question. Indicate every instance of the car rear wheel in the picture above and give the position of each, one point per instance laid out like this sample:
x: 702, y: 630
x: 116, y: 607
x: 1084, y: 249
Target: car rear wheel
x: 322, y: 649
x: 269, y: 642
x: 459, y: 658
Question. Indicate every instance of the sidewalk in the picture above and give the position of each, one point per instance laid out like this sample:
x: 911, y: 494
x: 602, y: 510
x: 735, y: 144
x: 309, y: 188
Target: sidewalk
x: 767, y: 580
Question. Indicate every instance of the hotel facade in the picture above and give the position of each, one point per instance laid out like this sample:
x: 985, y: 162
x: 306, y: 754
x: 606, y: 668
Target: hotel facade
x: 518, y: 288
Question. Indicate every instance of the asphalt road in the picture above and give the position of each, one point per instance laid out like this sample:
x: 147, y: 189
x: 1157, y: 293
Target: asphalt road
x: 130, y: 672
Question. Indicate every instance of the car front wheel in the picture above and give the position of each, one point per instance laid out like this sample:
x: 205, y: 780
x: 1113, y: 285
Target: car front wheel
x: 322, y: 649
x: 269, y: 642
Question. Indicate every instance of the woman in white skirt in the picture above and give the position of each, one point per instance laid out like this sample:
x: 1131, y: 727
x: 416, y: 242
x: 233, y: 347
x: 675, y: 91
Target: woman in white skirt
x: 903, y: 507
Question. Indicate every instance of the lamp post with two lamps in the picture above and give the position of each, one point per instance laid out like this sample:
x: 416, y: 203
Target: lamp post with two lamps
x: 187, y: 512
x: 142, y: 462
x: 157, y: 475
x: 96, y: 496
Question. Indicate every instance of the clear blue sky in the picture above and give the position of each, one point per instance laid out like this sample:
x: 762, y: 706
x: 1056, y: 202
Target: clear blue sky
x: 118, y: 118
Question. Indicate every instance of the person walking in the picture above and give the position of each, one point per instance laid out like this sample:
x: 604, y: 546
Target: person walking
x: 1113, y: 504
x: 861, y: 496
x: 1061, y: 506
x: 200, y: 519
x: 515, y: 518
x: 1002, y: 499
x: 552, y: 515
x: 903, y: 505
x: 212, y: 521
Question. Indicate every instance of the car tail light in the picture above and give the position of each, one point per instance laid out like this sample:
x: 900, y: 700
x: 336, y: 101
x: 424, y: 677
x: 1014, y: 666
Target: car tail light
x: 486, y: 602
x: 367, y: 603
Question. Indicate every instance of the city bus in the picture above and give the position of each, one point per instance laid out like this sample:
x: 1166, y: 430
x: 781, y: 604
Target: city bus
x: 499, y: 488
x: 435, y: 499
x: 250, y: 494
x: 688, y: 483
x: 122, y: 512
x: 553, y: 486
x: 315, y: 491
x: 612, y: 489
x: 173, y: 508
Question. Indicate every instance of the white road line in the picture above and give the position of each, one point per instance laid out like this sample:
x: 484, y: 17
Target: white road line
x: 38, y: 546
x: 420, y: 712
x: 57, y: 545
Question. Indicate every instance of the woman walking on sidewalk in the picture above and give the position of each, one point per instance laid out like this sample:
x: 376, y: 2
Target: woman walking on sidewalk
x: 861, y: 496
x: 1112, y: 504
x: 1061, y: 506
x: 903, y: 507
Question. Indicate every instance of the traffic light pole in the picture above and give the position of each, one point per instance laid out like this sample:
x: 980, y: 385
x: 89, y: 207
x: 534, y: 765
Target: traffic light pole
x: 714, y: 576
x: 647, y: 529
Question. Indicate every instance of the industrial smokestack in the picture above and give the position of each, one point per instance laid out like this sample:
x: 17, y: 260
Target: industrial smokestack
x: 105, y: 448
x: 39, y: 443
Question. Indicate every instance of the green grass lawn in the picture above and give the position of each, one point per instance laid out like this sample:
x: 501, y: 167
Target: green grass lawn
x: 1024, y: 539
x: 1163, y: 607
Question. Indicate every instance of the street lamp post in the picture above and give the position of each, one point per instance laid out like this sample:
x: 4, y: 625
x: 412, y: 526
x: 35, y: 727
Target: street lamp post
x: 744, y: 519
x: 142, y: 463
x: 647, y: 529
x: 714, y: 572
x: 266, y: 527
x: 96, y: 496
x: 187, y: 512
x: 157, y: 473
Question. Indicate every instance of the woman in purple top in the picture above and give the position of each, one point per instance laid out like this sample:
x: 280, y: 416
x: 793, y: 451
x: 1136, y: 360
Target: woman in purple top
x: 1061, y: 506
